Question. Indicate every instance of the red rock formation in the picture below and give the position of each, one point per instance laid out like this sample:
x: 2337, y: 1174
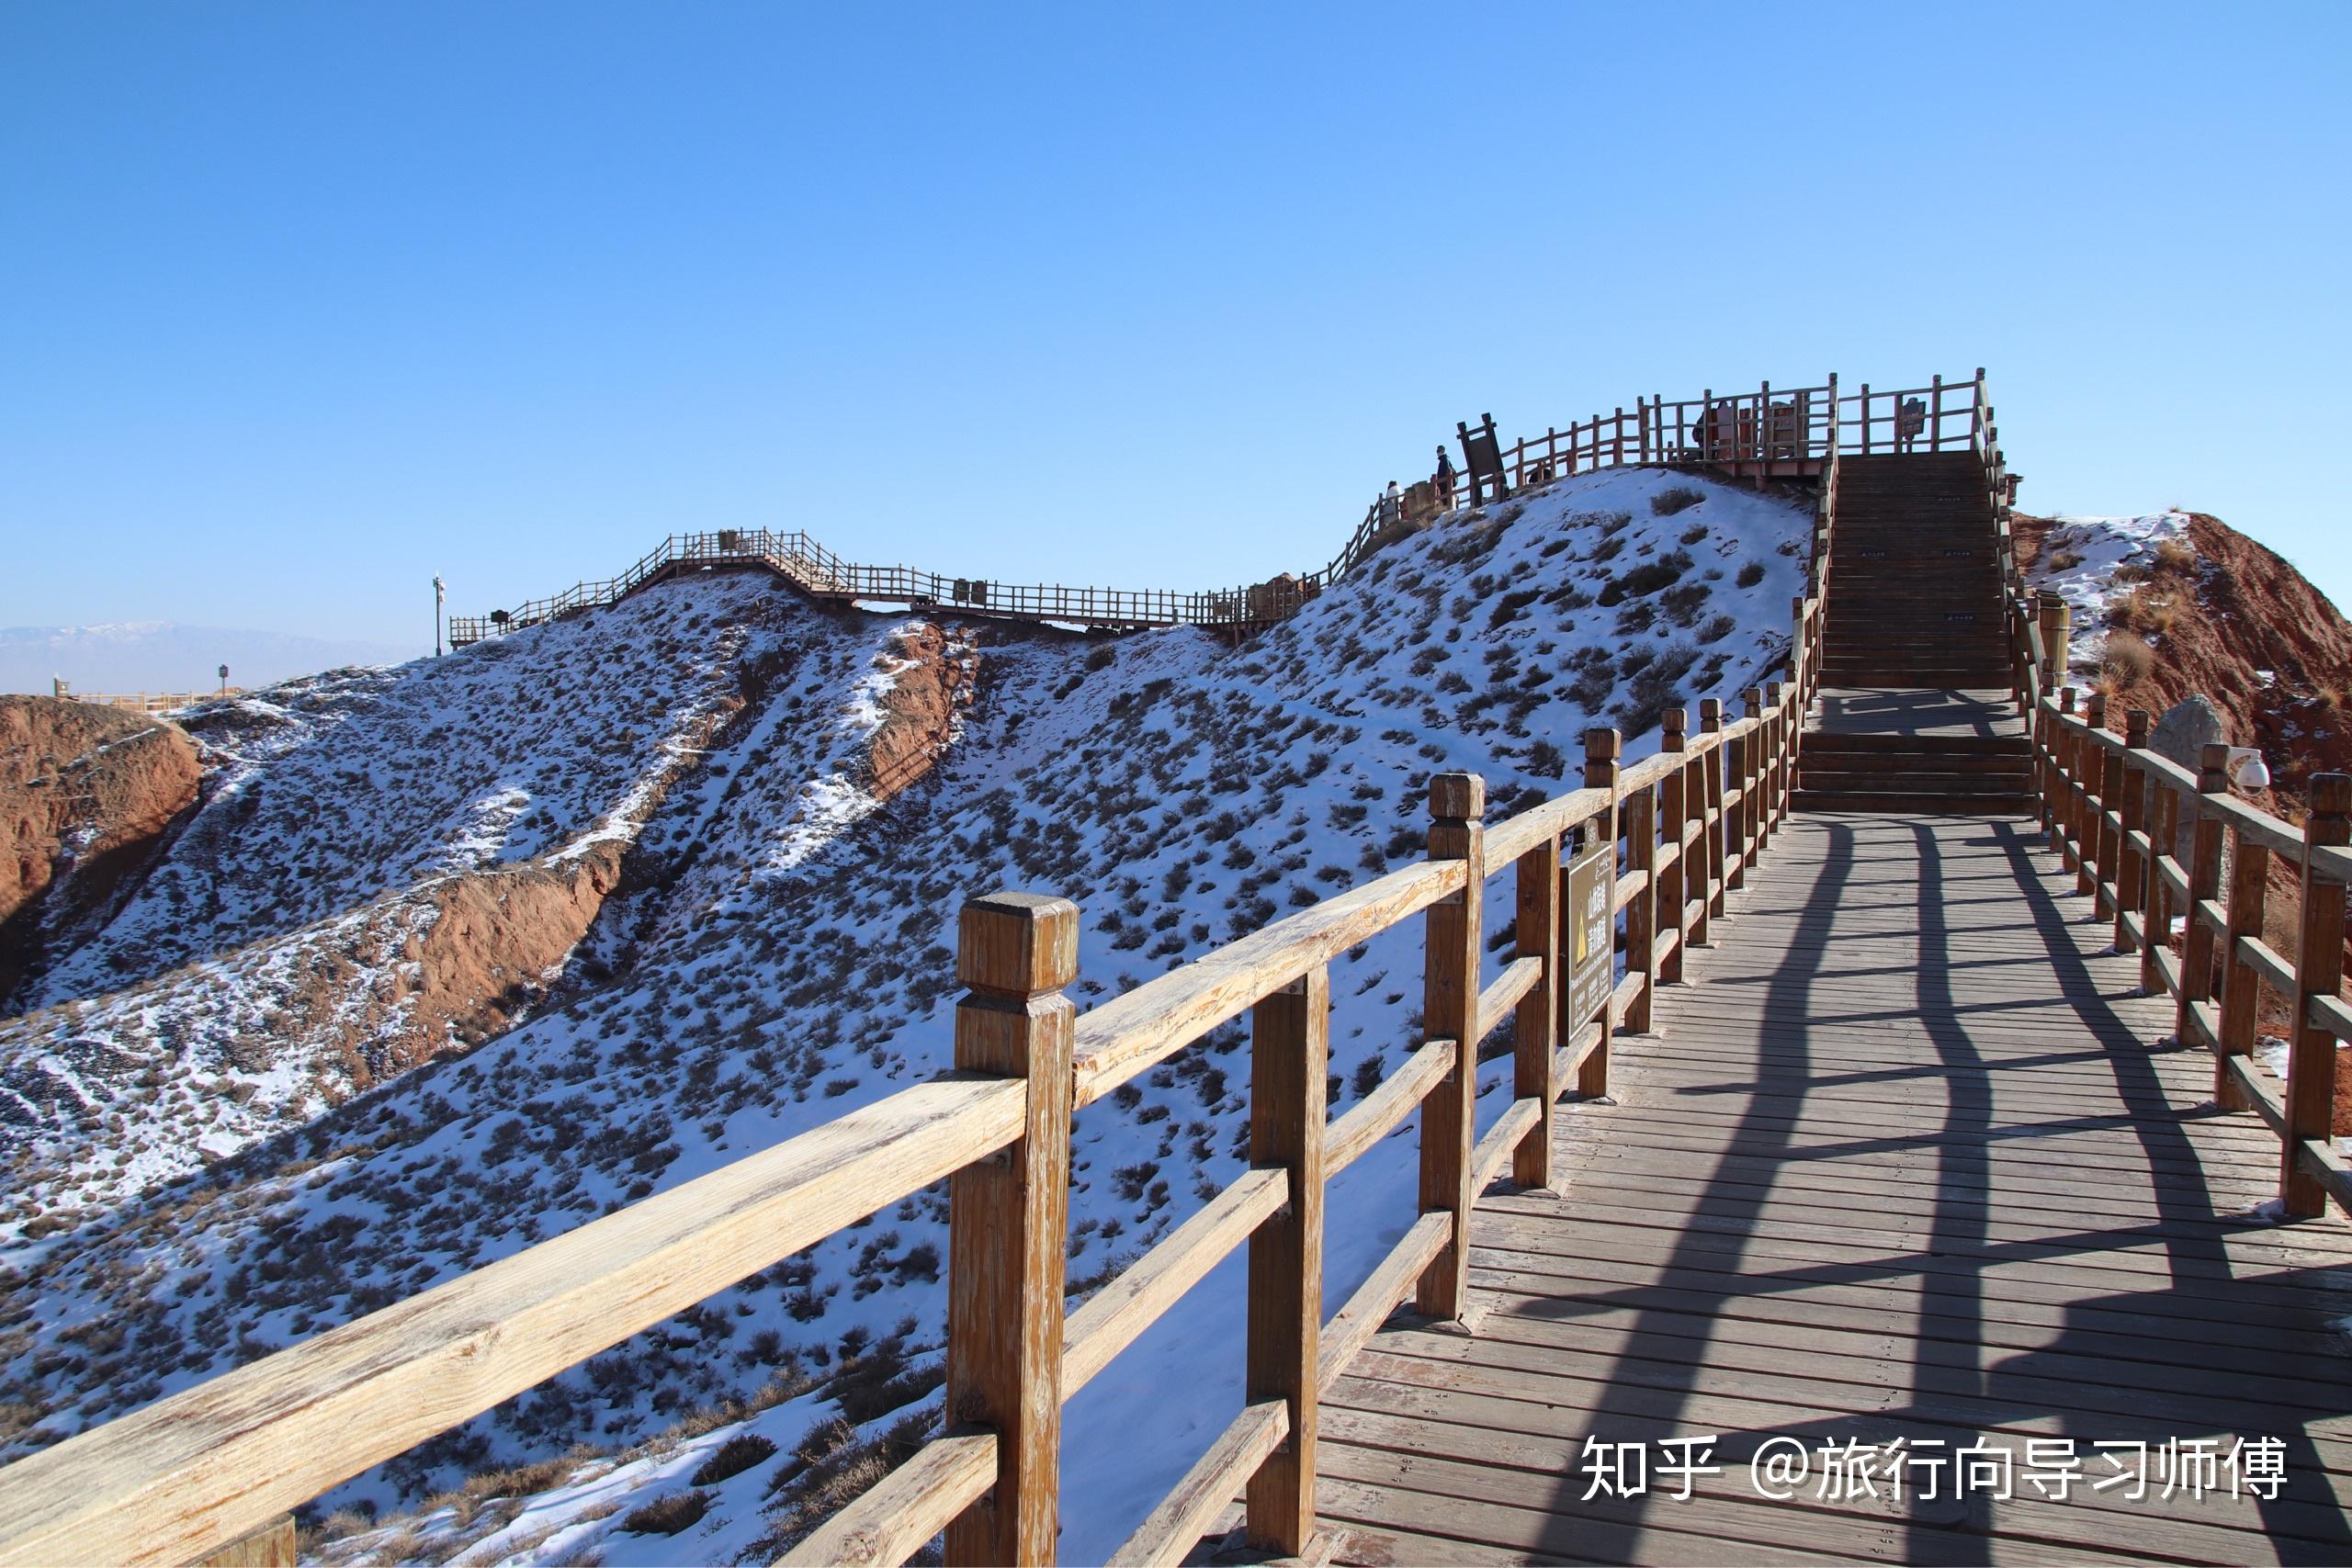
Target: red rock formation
x: 920, y: 708
x: 86, y: 795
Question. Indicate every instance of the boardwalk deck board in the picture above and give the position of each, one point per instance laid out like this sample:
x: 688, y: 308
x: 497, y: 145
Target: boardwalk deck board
x: 1908, y: 1154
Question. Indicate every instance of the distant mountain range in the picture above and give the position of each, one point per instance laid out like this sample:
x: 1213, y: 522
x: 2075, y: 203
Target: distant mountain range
x: 161, y: 656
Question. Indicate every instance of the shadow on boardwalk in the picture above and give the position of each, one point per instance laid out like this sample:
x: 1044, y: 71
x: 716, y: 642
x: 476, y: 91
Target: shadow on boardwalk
x: 1910, y: 1159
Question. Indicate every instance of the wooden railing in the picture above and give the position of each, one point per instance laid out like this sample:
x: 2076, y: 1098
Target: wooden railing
x: 1788, y: 430
x: 1793, y: 432
x: 146, y: 702
x: 1652, y: 849
x: 2117, y: 814
x: 818, y: 570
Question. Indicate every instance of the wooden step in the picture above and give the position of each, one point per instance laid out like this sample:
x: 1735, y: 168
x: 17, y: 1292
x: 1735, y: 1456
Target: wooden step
x: 2013, y: 766
x: 1867, y: 743
x: 1889, y: 800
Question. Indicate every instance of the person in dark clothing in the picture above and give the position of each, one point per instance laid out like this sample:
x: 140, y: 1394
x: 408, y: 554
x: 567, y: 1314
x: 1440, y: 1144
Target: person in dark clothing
x: 1443, y: 481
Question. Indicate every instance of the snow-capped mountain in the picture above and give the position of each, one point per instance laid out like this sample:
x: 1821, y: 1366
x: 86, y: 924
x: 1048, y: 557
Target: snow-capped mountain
x: 162, y: 656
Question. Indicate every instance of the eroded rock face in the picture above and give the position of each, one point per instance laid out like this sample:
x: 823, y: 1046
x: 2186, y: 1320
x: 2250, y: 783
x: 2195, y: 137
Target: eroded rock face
x: 86, y: 795
x: 921, y: 706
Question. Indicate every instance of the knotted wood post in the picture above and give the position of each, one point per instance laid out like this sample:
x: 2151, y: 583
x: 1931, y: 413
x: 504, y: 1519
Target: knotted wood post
x: 1718, y: 763
x: 1534, y: 1029
x: 2132, y: 872
x: 1289, y: 1057
x: 1639, y: 809
x: 2240, y: 981
x: 1673, y: 812
x: 1008, y: 1223
x: 1783, y: 751
x: 2197, y: 975
x: 2319, y: 972
x: 1450, y: 978
x: 1601, y: 749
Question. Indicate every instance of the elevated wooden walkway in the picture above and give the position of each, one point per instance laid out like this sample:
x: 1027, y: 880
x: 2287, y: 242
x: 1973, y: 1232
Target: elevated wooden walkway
x: 1899, y: 1162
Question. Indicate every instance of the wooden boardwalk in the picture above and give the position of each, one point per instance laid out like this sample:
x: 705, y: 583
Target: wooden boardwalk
x: 1901, y: 1160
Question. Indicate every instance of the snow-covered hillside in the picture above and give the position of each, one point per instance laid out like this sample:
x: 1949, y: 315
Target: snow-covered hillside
x: 776, y: 953
x: 2080, y: 560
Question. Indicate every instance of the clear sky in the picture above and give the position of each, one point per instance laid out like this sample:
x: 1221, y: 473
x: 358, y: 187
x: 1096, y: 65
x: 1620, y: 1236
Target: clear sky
x: 303, y: 303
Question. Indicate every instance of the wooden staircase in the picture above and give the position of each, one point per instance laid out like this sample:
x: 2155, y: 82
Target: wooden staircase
x: 1914, y: 670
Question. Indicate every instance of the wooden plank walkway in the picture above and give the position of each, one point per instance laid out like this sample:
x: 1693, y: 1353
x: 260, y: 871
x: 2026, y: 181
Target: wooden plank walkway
x: 1900, y: 1161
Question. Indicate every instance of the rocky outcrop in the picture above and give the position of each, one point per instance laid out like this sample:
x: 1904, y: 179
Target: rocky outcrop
x: 926, y: 698
x: 86, y: 794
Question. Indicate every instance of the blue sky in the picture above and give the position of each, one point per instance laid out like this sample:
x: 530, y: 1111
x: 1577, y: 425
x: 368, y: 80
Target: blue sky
x: 304, y: 303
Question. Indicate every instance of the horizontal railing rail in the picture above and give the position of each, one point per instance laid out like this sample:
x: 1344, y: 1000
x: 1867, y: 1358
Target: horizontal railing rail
x: 1632, y: 869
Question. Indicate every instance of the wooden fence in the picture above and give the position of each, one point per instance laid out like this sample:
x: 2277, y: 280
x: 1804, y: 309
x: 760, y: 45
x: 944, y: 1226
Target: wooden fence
x: 145, y: 702
x: 1653, y: 849
x: 1790, y: 432
x: 2119, y: 814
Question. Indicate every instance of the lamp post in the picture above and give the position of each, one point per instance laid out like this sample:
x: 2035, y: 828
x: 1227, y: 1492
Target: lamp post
x: 440, y: 596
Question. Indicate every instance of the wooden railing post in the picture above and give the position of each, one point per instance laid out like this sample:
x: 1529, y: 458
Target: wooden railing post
x: 2155, y: 893
x: 1534, y: 1029
x: 1673, y: 815
x: 1289, y: 1053
x: 2092, y: 767
x: 1722, y: 762
x: 1450, y: 980
x: 1781, y: 725
x: 1008, y: 1223
x: 1639, y: 809
x: 2105, y: 767
x: 2056, y: 630
x: 2204, y: 883
x: 2319, y: 972
x: 2240, y: 981
x: 1751, y: 799
x: 2062, y: 771
x: 2130, y: 872
x: 1601, y: 749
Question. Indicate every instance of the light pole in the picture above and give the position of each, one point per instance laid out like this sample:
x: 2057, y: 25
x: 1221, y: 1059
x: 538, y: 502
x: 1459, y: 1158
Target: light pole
x: 440, y: 596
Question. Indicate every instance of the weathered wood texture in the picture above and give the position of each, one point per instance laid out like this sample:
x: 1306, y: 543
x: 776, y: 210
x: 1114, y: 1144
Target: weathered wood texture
x: 1901, y: 1160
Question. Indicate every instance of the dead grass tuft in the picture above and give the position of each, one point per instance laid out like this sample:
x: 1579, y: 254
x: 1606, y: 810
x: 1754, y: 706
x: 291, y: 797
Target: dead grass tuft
x: 2126, y: 659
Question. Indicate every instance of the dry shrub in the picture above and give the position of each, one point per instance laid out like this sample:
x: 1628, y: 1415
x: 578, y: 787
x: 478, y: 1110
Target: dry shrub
x: 736, y: 1455
x: 833, y: 1469
x: 1681, y: 498
x: 2147, y: 609
x: 2126, y: 659
x: 667, y: 1515
x: 2175, y: 556
x: 2066, y: 559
